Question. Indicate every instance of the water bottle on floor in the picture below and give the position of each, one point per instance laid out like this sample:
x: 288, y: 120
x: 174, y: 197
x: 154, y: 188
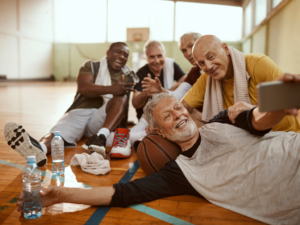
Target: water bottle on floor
x: 31, y: 176
x: 57, y: 152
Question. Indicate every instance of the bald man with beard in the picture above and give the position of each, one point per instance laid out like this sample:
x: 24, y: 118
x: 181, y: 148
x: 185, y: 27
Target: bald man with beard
x: 229, y: 81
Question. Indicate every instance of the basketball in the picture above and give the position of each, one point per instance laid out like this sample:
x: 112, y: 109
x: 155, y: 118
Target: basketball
x: 154, y: 152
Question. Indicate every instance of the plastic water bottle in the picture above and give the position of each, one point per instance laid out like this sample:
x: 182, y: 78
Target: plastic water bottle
x: 31, y: 176
x: 58, y: 154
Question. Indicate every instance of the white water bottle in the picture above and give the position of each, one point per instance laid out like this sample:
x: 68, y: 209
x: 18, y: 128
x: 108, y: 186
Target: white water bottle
x: 58, y: 154
x: 31, y: 177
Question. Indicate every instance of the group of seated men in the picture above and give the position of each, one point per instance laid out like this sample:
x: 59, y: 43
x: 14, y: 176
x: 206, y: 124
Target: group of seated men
x: 232, y: 154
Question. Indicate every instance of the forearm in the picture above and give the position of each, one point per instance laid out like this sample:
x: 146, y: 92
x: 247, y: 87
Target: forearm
x: 181, y: 90
x: 267, y: 120
x: 93, y: 90
x: 182, y: 79
x: 139, y: 99
x: 89, y: 196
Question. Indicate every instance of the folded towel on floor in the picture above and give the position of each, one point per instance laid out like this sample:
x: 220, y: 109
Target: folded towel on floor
x: 94, y: 163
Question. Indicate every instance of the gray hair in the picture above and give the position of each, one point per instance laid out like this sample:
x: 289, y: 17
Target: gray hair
x: 195, y: 35
x: 152, y: 43
x: 156, y: 98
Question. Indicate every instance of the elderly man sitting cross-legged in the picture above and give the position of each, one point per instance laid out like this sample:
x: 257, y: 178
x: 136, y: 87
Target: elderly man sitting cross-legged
x: 242, y: 166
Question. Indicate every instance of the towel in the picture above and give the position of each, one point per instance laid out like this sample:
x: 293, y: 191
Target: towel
x: 168, y: 73
x: 104, y: 79
x: 93, y: 164
x: 213, y: 99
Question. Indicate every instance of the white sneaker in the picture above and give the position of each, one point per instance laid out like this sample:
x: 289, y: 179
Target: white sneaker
x: 121, y: 147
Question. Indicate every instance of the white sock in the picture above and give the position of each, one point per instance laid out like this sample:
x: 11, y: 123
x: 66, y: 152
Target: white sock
x: 43, y: 147
x: 104, y: 131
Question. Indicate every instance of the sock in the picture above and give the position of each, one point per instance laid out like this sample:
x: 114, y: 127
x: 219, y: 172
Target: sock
x: 110, y: 139
x: 104, y: 131
x: 43, y: 147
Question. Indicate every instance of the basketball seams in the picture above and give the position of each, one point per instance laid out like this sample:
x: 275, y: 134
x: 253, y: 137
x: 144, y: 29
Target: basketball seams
x: 147, y: 156
x: 163, y: 151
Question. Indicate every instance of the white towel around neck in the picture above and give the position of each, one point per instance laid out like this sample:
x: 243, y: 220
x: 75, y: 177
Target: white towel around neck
x: 104, y: 78
x: 168, y: 69
x: 213, y: 99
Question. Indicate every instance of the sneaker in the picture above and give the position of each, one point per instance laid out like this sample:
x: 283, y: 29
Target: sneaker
x: 96, y: 144
x: 121, y: 145
x: 18, y: 139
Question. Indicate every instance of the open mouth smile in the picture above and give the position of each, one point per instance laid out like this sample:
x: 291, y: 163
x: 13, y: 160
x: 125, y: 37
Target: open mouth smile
x: 181, y: 124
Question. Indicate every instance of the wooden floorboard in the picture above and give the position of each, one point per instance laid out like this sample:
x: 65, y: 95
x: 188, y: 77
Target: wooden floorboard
x: 38, y: 106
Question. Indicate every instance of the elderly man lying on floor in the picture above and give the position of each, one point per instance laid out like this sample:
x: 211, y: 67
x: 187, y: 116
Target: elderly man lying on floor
x: 244, y: 167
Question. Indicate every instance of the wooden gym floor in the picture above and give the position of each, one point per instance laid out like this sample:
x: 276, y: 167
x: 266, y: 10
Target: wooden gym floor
x: 38, y: 106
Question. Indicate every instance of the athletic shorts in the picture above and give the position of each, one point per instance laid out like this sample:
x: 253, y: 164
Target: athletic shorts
x: 79, y: 123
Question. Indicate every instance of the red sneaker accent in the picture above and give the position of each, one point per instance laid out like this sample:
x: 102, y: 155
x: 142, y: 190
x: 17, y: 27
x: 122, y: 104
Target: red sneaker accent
x: 119, y: 155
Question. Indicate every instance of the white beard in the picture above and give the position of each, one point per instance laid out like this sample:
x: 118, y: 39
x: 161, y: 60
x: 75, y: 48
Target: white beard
x: 184, y: 134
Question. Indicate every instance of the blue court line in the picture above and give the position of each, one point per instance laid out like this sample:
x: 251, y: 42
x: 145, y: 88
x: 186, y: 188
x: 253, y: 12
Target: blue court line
x: 100, y: 212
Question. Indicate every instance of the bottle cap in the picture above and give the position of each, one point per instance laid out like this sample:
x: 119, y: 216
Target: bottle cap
x: 31, y: 159
x: 56, y: 133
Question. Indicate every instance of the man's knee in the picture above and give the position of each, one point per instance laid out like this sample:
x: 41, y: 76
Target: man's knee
x: 117, y: 101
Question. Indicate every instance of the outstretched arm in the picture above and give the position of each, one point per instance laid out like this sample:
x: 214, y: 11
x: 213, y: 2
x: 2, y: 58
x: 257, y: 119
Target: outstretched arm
x: 86, y: 86
x: 90, y: 196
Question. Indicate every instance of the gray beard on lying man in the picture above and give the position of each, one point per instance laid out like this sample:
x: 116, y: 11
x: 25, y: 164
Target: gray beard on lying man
x: 183, y: 134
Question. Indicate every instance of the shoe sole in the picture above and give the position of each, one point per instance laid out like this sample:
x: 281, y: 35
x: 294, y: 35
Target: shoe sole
x: 119, y: 155
x: 18, y: 139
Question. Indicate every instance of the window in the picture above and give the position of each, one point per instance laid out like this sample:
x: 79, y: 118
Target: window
x: 223, y: 21
x: 157, y: 15
x: 248, y: 19
x: 77, y: 21
x: 275, y: 3
x: 260, y: 11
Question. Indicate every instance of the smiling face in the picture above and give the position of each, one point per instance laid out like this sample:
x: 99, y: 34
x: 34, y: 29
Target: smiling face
x: 156, y: 59
x: 213, y: 57
x: 117, y: 57
x: 174, y: 121
x: 186, y: 46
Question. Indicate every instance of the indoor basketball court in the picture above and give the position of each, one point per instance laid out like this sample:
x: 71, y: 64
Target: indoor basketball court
x: 41, y: 52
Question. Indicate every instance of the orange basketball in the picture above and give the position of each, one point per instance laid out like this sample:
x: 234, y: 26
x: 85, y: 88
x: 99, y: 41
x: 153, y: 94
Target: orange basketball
x: 154, y: 152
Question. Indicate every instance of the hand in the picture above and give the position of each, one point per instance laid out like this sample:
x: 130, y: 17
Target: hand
x: 49, y: 196
x: 150, y: 130
x: 237, y: 108
x: 287, y: 77
x: 151, y: 86
x: 120, y: 88
x: 174, y: 87
x: 292, y: 78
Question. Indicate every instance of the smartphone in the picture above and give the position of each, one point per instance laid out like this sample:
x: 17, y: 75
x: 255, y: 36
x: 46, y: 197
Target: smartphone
x: 278, y: 95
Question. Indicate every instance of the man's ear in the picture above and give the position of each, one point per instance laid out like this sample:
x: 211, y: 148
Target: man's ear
x: 107, y: 52
x: 226, y: 49
x: 158, y: 131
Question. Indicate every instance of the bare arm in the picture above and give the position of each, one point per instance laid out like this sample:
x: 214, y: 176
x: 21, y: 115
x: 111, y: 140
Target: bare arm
x: 90, y: 196
x: 86, y: 86
x: 182, y: 79
x: 266, y: 120
x: 139, y: 99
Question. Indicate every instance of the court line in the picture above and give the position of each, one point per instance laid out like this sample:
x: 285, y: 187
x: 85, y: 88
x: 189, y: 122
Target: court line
x: 101, y: 211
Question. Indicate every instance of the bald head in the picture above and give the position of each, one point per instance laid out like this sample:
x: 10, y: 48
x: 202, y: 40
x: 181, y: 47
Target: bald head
x: 212, y: 56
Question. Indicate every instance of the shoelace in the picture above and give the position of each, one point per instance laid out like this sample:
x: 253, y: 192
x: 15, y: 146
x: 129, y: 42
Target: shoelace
x: 121, y: 140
